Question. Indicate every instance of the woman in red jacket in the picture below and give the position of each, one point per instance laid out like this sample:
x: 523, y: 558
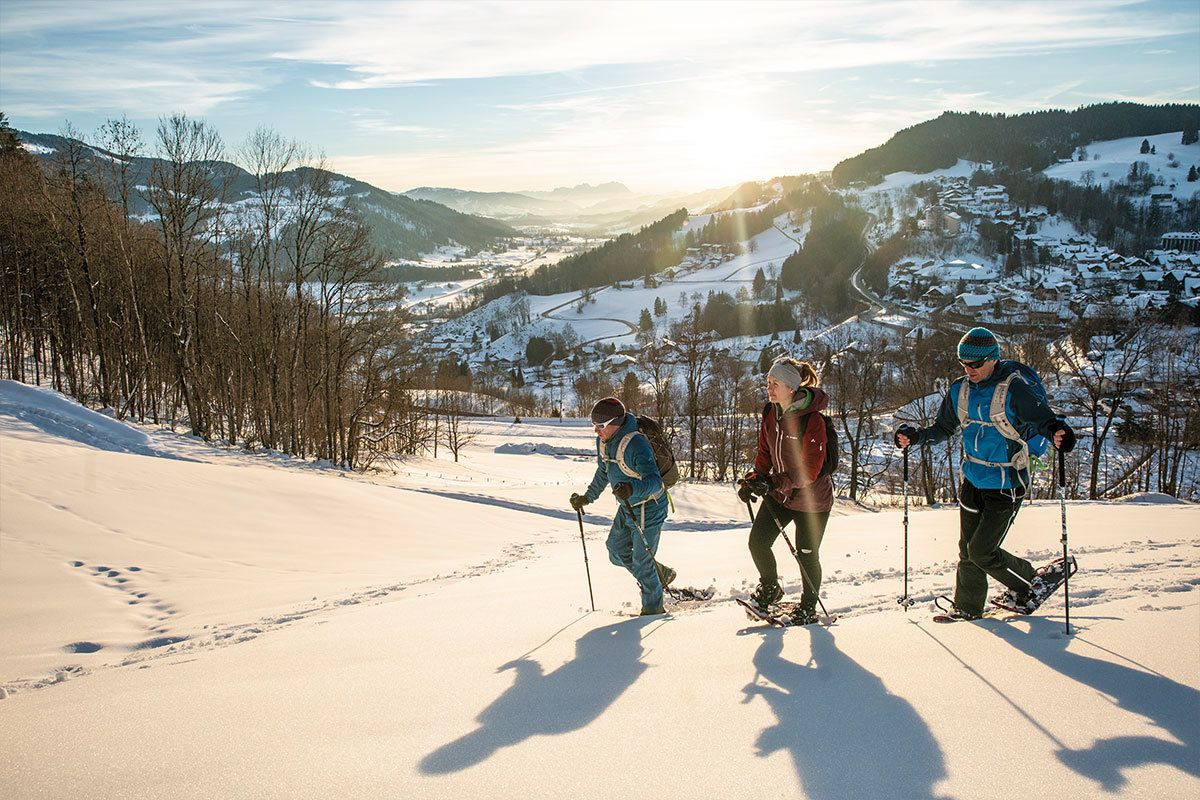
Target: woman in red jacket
x: 787, y: 467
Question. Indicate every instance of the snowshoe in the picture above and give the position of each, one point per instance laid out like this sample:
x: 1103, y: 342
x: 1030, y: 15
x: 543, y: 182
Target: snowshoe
x: 1045, y: 582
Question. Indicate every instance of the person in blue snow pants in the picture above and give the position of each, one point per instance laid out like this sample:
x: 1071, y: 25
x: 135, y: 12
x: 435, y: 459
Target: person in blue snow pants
x: 625, y: 461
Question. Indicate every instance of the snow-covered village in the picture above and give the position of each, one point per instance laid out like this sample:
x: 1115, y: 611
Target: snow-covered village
x: 510, y: 399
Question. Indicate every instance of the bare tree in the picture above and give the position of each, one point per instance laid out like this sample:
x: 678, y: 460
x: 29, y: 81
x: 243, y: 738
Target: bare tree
x: 920, y: 385
x: 1176, y: 403
x: 853, y: 377
x: 730, y: 426
x: 694, y: 346
x: 1106, y: 367
x: 186, y: 191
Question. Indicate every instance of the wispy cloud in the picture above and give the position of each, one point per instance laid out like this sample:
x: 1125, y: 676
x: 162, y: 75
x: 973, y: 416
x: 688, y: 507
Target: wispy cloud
x: 199, y: 48
x: 483, y: 93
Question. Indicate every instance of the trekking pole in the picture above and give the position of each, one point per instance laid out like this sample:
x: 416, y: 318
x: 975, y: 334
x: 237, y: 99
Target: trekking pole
x: 795, y: 554
x: 904, y: 599
x: 1062, y: 502
x: 579, y: 511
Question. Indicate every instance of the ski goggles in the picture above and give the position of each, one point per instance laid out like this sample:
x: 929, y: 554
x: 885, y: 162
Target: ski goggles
x: 602, y: 425
x: 973, y: 364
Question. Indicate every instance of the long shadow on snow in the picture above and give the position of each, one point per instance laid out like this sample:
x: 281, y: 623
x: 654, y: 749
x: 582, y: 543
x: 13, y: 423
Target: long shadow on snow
x: 1172, y: 706
x: 607, y: 662
x: 850, y: 738
x: 568, y: 514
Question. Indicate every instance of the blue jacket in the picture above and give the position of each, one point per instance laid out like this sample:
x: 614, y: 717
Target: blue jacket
x: 1028, y: 414
x: 638, y: 458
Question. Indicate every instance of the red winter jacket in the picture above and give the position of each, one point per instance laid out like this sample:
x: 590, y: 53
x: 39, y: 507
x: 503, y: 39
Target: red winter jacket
x: 793, y: 459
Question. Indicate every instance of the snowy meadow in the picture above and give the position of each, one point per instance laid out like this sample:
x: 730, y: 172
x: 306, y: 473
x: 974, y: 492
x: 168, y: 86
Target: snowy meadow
x: 182, y: 620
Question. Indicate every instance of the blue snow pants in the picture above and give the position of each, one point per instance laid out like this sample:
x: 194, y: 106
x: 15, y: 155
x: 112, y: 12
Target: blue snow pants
x: 626, y: 549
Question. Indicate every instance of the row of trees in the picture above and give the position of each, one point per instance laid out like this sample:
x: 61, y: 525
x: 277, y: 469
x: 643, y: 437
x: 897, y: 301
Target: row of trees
x: 1131, y: 397
x: 264, y: 322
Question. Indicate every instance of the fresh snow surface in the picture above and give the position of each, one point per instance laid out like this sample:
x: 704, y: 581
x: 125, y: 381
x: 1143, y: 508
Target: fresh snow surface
x: 188, y: 621
x: 1109, y: 162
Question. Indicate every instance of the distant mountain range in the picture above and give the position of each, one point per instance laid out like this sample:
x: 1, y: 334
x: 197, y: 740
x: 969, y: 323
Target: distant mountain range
x: 609, y: 208
x: 401, y: 227
x: 422, y: 219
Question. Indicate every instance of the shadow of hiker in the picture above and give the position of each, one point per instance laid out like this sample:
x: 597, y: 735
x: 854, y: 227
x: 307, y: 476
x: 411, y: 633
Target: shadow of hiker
x: 1171, y: 706
x: 607, y: 662
x: 849, y: 737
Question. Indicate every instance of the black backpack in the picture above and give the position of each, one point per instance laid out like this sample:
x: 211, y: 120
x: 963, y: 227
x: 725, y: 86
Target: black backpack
x: 832, y: 452
x: 663, y: 456
x: 664, y: 459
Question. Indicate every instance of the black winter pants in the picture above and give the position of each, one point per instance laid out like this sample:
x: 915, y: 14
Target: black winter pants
x: 985, y: 515
x: 810, y: 529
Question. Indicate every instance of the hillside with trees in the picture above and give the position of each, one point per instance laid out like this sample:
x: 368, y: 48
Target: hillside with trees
x: 400, y: 227
x: 832, y: 251
x: 265, y: 328
x: 1031, y: 141
x: 628, y: 257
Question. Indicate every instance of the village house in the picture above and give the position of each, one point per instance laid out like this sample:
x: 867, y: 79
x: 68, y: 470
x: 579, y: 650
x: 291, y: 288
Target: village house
x: 1185, y: 242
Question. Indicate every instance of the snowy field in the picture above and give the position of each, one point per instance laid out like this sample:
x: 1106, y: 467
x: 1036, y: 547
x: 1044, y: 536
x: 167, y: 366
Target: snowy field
x: 186, y: 621
x: 612, y: 314
x: 1109, y: 161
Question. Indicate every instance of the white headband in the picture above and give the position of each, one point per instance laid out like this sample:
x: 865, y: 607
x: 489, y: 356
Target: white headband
x: 787, y: 374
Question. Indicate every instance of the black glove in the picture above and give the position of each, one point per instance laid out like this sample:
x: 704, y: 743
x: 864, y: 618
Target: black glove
x: 760, y: 485
x: 908, y: 431
x: 1068, y: 441
x: 578, y: 501
x: 623, y: 491
x: 744, y: 493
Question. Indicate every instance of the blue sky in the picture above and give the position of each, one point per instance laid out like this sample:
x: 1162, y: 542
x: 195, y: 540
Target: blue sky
x: 496, y: 96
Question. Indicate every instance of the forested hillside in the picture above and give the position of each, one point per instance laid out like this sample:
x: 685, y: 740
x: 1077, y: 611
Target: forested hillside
x: 631, y: 255
x: 1025, y: 141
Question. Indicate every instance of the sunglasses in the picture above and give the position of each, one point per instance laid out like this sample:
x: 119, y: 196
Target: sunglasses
x: 973, y: 364
x: 602, y: 425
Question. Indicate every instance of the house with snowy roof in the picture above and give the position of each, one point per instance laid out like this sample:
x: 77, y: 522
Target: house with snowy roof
x: 1175, y: 281
x: 972, y: 304
x: 1148, y: 279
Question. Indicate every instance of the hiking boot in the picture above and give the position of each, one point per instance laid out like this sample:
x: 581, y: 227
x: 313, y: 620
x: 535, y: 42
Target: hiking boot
x: 953, y: 612
x: 1028, y: 601
x: 766, y: 594
x: 665, y: 574
x: 648, y: 612
x: 804, y: 616
x: 1038, y: 590
x: 958, y: 613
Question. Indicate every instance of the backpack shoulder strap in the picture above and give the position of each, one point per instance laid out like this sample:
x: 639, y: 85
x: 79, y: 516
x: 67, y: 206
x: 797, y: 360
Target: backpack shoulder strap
x: 999, y: 409
x: 964, y: 393
x: 620, y: 455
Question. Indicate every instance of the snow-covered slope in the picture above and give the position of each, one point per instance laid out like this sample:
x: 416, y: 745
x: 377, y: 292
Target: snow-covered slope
x: 1110, y: 161
x: 185, y: 621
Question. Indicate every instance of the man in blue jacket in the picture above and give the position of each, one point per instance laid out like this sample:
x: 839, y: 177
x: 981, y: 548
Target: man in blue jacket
x: 995, y: 465
x: 625, y: 460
